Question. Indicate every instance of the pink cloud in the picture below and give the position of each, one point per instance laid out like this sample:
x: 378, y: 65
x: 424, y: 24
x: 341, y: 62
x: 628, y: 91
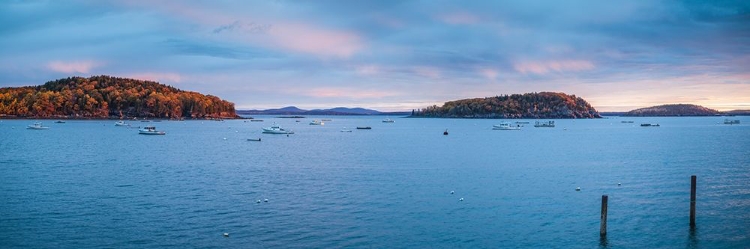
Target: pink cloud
x: 544, y: 67
x: 368, y: 70
x: 315, y: 40
x: 459, y: 18
x: 72, y: 66
x: 489, y: 73
x: 158, y: 77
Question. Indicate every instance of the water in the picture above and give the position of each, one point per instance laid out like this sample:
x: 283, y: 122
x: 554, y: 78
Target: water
x: 89, y: 184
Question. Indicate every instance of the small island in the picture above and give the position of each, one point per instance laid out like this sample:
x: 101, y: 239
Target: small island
x: 672, y: 110
x: 101, y: 97
x: 530, y: 105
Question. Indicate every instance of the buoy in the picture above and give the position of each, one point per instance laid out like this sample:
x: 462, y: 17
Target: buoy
x: 578, y: 189
x: 226, y: 234
x: 618, y: 184
x: 451, y: 191
x: 266, y: 200
x: 445, y: 132
x: 462, y: 199
x: 258, y: 201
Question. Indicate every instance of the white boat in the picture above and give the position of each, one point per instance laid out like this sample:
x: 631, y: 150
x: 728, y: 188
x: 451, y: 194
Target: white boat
x: 731, y: 122
x: 316, y: 122
x: 544, y: 124
x: 276, y: 129
x: 120, y: 123
x: 388, y: 120
x: 345, y: 130
x: 150, y: 130
x: 37, y: 126
x: 506, y: 126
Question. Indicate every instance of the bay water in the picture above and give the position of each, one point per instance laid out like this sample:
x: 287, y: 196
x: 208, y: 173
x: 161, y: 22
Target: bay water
x: 90, y: 184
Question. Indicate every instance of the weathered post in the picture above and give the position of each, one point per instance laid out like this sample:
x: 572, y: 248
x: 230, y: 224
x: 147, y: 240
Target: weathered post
x: 692, y: 200
x: 603, y: 228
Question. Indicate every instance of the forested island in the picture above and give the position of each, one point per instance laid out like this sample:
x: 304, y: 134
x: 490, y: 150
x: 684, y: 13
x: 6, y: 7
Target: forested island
x: 529, y: 105
x: 673, y: 110
x: 109, y: 97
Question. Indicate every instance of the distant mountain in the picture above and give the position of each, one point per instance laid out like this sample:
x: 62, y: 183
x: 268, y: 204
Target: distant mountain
x: 292, y: 110
x: 529, y: 105
x: 673, y: 110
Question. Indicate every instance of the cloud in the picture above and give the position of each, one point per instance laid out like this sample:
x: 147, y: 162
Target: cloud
x: 72, y: 66
x: 429, y: 72
x: 544, y: 67
x: 489, y: 73
x: 368, y: 70
x: 458, y: 18
x: 315, y: 40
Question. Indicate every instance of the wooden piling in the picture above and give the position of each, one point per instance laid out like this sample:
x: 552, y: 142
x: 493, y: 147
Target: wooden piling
x: 693, y: 180
x: 603, y: 228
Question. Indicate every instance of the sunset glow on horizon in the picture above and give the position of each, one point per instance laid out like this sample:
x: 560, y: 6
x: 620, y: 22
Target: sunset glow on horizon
x: 391, y: 55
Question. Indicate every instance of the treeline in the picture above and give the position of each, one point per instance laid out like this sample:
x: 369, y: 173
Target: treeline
x: 106, y: 96
x: 529, y: 105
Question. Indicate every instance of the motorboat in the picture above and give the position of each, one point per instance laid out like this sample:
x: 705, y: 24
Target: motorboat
x: 276, y: 129
x: 37, y: 126
x: 150, y: 130
x: 649, y: 125
x: 254, y: 139
x: 256, y: 120
x: 544, y: 124
x: 345, y: 130
x: 627, y: 121
x: 506, y: 126
x: 316, y: 122
x: 59, y: 122
x: 388, y: 120
x: 364, y: 128
x: 731, y: 122
x: 120, y: 123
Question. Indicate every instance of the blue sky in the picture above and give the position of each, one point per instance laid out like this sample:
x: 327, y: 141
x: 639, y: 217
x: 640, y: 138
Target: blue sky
x: 391, y: 55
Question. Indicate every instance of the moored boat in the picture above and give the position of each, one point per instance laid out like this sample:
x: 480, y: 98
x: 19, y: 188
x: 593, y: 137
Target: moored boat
x: 254, y: 139
x: 316, y: 122
x: 37, y: 126
x: 649, y: 125
x: 549, y: 124
x: 60, y: 122
x: 506, y: 126
x: 150, y: 130
x: 364, y: 128
x: 731, y: 122
x: 388, y: 120
x: 120, y: 123
x: 276, y: 129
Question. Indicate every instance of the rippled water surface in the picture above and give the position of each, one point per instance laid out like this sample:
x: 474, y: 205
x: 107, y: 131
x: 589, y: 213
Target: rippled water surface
x: 89, y: 184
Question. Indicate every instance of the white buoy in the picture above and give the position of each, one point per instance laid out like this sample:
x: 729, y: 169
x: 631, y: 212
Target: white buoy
x: 462, y: 199
x: 578, y: 189
x: 226, y: 234
x: 225, y: 138
x: 451, y: 191
x: 618, y: 184
x: 258, y: 201
x: 265, y: 200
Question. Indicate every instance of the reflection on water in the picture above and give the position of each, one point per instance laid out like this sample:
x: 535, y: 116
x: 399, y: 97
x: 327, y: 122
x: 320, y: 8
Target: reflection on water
x: 693, y: 237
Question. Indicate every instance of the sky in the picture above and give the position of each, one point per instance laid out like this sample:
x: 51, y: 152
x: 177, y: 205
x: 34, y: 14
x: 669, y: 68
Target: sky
x: 391, y: 55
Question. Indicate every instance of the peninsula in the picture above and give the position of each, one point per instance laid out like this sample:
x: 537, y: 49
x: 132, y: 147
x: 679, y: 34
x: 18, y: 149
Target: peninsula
x: 109, y: 97
x: 529, y: 105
